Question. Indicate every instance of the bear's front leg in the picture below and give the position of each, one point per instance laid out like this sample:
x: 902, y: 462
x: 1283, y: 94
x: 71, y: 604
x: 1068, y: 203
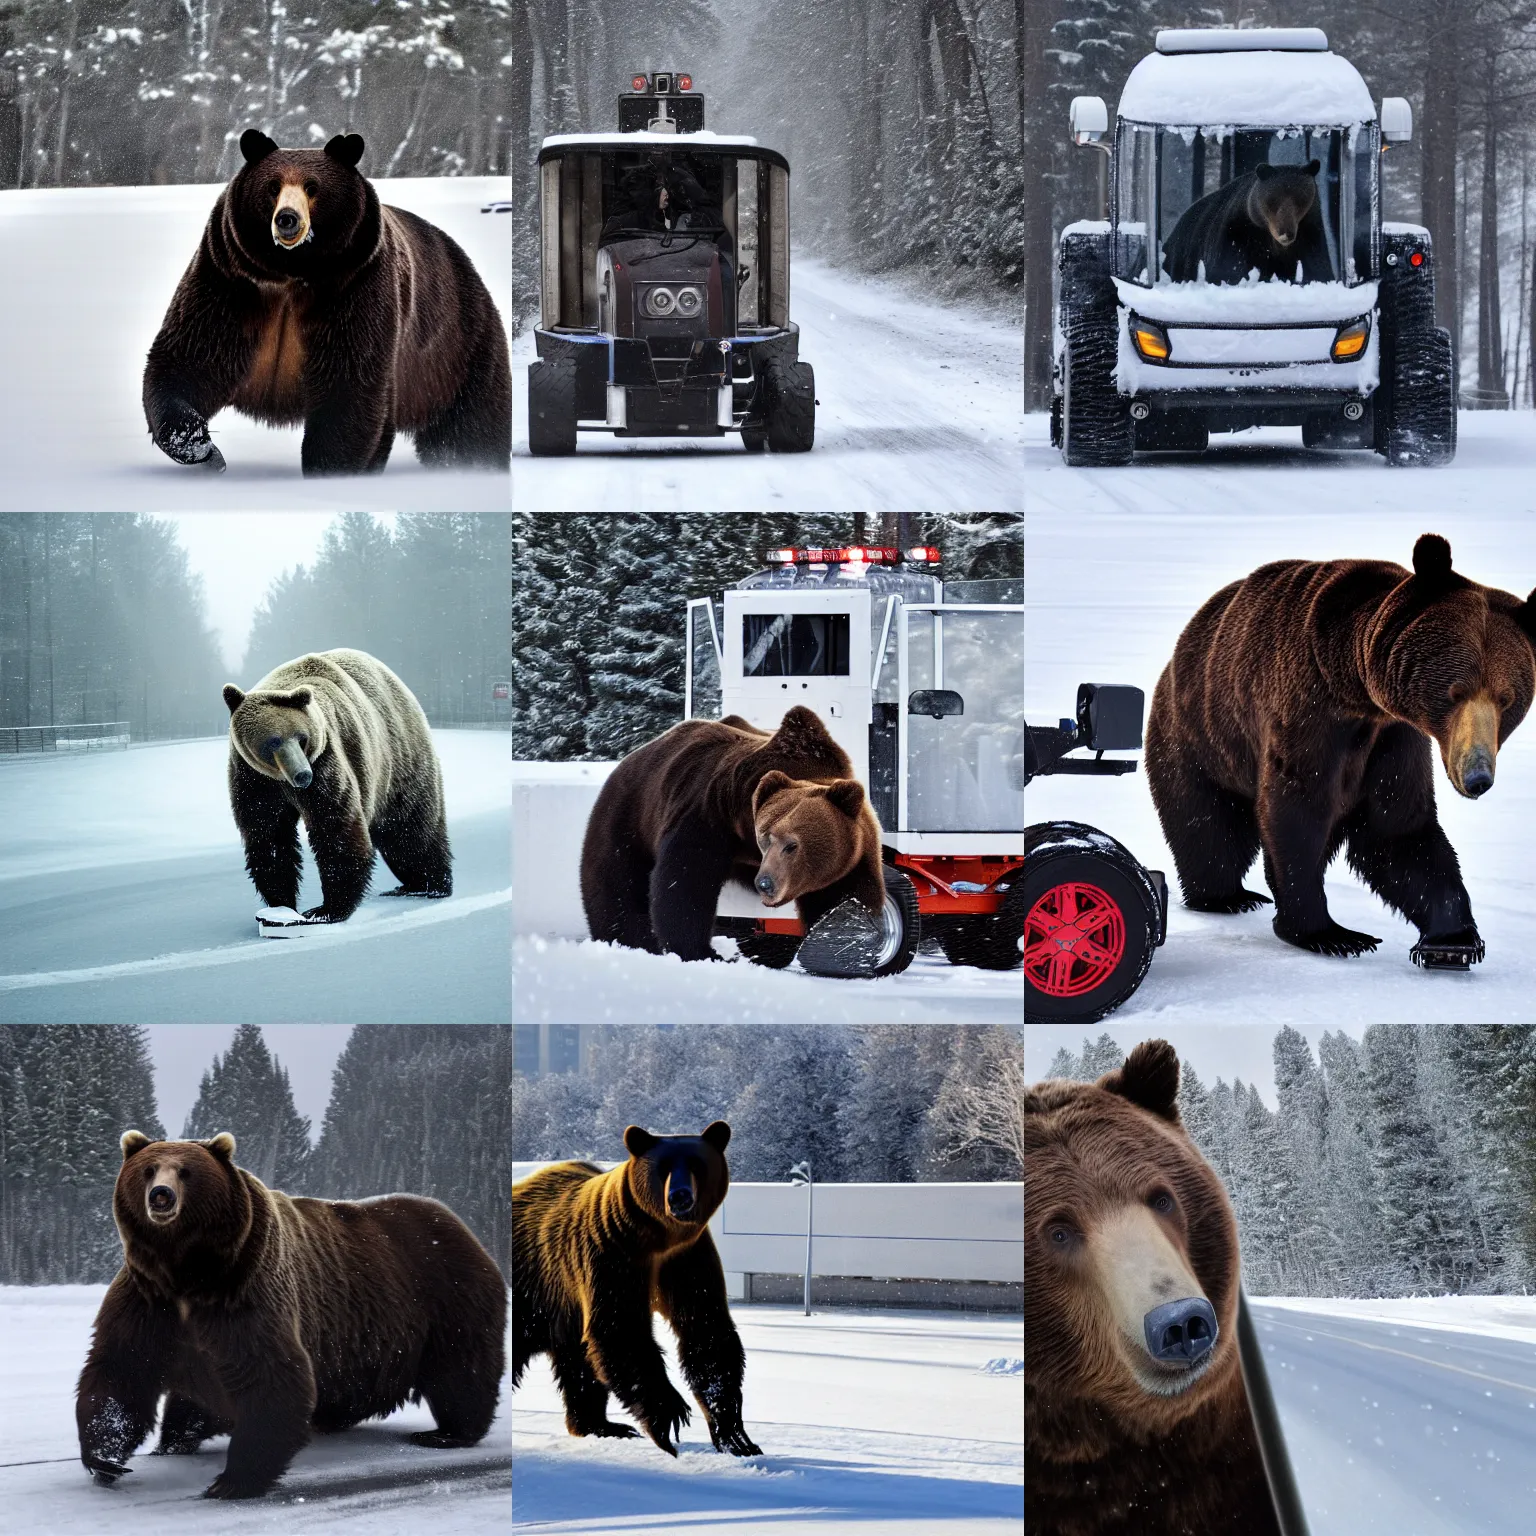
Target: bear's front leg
x: 349, y: 417
x: 339, y: 840
x: 122, y: 1380
x: 269, y: 828
x: 268, y: 1377
x: 184, y: 1426
x: 692, y: 864
x: 625, y: 1357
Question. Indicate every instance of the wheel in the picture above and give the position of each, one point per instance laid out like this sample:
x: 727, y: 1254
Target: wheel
x: 789, y: 406
x: 1096, y: 426
x: 1421, y: 402
x: 774, y: 950
x: 754, y: 439
x: 1090, y: 927
x: 994, y: 942
x: 552, y: 406
x: 901, y: 924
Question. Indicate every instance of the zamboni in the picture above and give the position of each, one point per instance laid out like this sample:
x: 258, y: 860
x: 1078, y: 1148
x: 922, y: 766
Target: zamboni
x: 664, y: 283
x: 1244, y: 276
x: 919, y: 680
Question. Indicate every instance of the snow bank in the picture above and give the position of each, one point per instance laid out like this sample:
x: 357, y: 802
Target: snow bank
x: 1262, y: 88
x: 550, y: 806
x: 1492, y: 1317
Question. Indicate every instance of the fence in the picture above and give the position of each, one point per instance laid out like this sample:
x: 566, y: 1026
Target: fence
x: 90, y: 737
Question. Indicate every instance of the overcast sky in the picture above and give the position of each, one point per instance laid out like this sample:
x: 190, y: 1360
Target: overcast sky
x: 239, y: 555
x: 1214, y: 1050
x: 183, y: 1052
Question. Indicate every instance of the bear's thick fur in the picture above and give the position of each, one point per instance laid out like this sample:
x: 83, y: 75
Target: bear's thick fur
x: 338, y: 739
x: 716, y: 800
x: 1296, y: 716
x: 1122, y: 1216
x: 594, y: 1254
x: 308, y: 301
x: 1268, y: 220
x: 263, y: 1317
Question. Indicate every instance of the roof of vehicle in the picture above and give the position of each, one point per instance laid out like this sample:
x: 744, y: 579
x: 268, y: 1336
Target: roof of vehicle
x: 1287, y: 84
x: 703, y: 142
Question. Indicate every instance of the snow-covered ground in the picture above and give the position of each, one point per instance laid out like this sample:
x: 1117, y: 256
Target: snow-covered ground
x: 124, y: 896
x: 1120, y: 559
x: 1407, y: 1418
x: 878, y: 1421
x: 85, y: 278
x: 370, y: 1480
x: 918, y: 411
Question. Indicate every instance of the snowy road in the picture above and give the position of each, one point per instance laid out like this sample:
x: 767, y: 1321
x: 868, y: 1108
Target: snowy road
x: 85, y: 278
x: 879, y: 1421
x: 370, y: 1480
x: 124, y: 897
x: 1398, y: 1430
x: 1118, y: 561
x: 918, y: 412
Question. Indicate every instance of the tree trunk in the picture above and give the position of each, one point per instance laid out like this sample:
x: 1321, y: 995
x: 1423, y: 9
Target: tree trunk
x: 1442, y: 126
x: 62, y: 142
x: 1490, y: 329
x: 1039, y: 253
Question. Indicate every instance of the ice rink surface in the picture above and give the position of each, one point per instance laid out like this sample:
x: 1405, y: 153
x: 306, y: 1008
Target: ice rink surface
x: 369, y: 1480
x: 918, y: 411
x: 1118, y: 562
x: 85, y: 277
x: 870, y: 1421
x: 124, y: 898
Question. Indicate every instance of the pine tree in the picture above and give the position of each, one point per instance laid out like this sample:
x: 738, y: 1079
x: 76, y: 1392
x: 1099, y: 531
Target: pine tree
x: 246, y: 1091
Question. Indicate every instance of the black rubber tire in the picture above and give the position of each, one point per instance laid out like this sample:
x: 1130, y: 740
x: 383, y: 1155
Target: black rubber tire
x: 552, y: 406
x: 789, y: 406
x: 754, y: 439
x: 1421, y: 422
x: 1096, y: 427
x: 1049, y: 868
x: 901, y: 907
x: 773, y: 950
x: 993, y: 943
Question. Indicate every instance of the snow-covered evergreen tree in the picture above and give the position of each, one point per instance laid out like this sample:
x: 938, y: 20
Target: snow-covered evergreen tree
x: 247, y: 1091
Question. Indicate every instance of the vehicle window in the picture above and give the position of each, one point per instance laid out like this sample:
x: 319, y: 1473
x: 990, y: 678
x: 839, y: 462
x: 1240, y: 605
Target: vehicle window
x: 794, y: 645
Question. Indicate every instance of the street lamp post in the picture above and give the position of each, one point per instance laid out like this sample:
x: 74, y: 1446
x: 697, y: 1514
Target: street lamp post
x: 801, y: 1174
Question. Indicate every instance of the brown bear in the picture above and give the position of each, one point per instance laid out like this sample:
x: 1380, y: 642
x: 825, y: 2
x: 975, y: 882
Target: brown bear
x: 337, y: 739
x: 264, y: 1317
x: 717, y: 800
x: 1296, y: 716
x: 1136, y: 1419
x: 310, y: 302
x: 595, y: 1254
x: 1268, y: 221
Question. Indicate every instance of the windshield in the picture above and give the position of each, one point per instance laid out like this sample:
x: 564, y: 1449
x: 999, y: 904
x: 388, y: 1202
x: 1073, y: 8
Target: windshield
x: 1225, y: 205
x: 662, y: 190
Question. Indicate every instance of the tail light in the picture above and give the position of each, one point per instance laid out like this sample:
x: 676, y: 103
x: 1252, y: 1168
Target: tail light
x: 685, y: 82
x: 1350, y: 341
x: 639, y: 83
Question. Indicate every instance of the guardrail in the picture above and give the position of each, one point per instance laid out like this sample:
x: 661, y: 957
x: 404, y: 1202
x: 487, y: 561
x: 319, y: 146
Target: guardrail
x: 93, y: 736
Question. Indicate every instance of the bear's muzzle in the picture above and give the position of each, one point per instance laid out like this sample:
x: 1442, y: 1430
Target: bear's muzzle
x: 291, y: 224
x: 1472, y: 746
x: 161, y: 1201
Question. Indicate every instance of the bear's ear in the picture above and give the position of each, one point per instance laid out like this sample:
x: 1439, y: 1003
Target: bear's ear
x: 638, y: 1141
x: 255, y: 145
x: 718, y: 1134
x: 767, y: 787
x: 222, y: 1145
x: 346, y: 147
x: 1264, y: 172
x: 1525, y: 615
x: 1431, y: 558
x: 233, y: 697
x: 847, y: 795
x: 1313, y: 167
x: 1150, y: 1078
x: 134, y: 1141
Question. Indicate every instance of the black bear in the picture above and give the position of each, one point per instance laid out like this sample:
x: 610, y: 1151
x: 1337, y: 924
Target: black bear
x: 264, y: 1318
x: 337, y: 739
x: 594, y: 1254
x: 1296, y: 716
x: 310, y: 302
x: 716, y: 800
x: 1268, y: 221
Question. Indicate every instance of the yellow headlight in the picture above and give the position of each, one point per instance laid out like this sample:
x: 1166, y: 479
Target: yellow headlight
x: 1150, y: 339
x: 1350, y: 341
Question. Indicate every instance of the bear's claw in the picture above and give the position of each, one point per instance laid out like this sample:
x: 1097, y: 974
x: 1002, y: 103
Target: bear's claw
x: 105, y: 1472
x: 738, y: 1443
x: 191, y: 444
x: 1333, y: 939
x: 1243, y: 900
x: 1458, y: 951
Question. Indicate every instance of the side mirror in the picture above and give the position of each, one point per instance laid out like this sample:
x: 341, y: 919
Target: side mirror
x: 1109, y: 716
x: 935, y: 703
x: 1396, y: 119
x: 1089, y: 119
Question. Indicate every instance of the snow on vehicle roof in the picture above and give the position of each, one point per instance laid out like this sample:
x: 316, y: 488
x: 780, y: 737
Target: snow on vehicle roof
x: 703, y: 139
x: 1246, y: 40
x: 1267, y: 88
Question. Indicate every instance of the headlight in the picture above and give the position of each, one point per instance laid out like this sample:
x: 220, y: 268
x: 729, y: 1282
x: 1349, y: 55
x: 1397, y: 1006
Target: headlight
x: 1351, y: 339
x: 1150, y: 339
x: 659, y: 301
x: 684, y: 302
x: 689, y: 302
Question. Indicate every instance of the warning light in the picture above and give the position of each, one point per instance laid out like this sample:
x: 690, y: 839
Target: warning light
x: 685, y: 82
x: 923, y: 554
x: 639, y: 83
x: 1417, y: 259
x: 841, y: 554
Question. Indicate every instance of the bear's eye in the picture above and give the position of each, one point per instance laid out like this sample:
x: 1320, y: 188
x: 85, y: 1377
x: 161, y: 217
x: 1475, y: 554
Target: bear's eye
x: 1456, y: 693
x: 1162, y: 1203
x: 270, y: 745
x: 273, y: 188
x: 303, y: 741
x: 1059, y: 1235
x: 790, y: 847
x: 311, y: 188
x: 1506, y: 698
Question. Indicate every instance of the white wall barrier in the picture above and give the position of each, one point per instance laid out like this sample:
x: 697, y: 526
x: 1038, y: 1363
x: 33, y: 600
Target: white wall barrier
x: 550, y: 806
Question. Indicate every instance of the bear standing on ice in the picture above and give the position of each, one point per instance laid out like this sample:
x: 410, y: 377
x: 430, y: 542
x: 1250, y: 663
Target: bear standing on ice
x: 310, y: 302
x: 1296, y: 716
x: 1267, y: 221
x: 717, y: 800
x: 264, y: 1318
x: 337, y: 739
x: 594, y: 1254
x: 1135, y: 1414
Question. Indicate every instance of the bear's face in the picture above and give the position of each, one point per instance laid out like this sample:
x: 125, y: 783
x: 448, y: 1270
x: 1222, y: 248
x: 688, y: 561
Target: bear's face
x: 679, y: 1180
x: 291, y: 201
x: 278, y: 734
x: 809, y: 835
x: 167, y: 1189
x: 1282, y: 196
x: 1131, y: 1248
x: 1454, y: 659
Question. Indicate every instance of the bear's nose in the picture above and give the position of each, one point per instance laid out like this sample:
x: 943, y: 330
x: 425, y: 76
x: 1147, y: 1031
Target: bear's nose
x: 680, y: 1200
x: 1477, y: 776
x: 162, y: 1198
x: 764, y: 884
x: 302, y: 779
x: 287, y: 221
x: 1181, y: 1332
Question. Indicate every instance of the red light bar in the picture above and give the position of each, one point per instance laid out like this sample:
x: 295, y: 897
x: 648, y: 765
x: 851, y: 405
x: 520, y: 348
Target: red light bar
x: 867, y: 554
x: 639, y: 83
x: 685, y: 82
x: 926, y: 554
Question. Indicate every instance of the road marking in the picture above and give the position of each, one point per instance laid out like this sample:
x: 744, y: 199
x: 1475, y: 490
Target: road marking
x: 329, y: 937
x: 1383, y: 1349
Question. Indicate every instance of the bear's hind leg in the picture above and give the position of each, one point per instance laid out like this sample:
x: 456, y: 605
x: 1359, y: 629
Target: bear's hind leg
x: 616, y: 896
x: 586, y: 1398
x: 184, y: 1426
x: 1298, y: 845
x: 419, y: 858
x: 344, y: 857
x: 474, y: 431
x: 460, y: 1386
x: 692, y: 865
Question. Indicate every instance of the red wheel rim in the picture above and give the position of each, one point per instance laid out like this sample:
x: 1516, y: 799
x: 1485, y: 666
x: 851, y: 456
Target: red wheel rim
x: 1074, y: 937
